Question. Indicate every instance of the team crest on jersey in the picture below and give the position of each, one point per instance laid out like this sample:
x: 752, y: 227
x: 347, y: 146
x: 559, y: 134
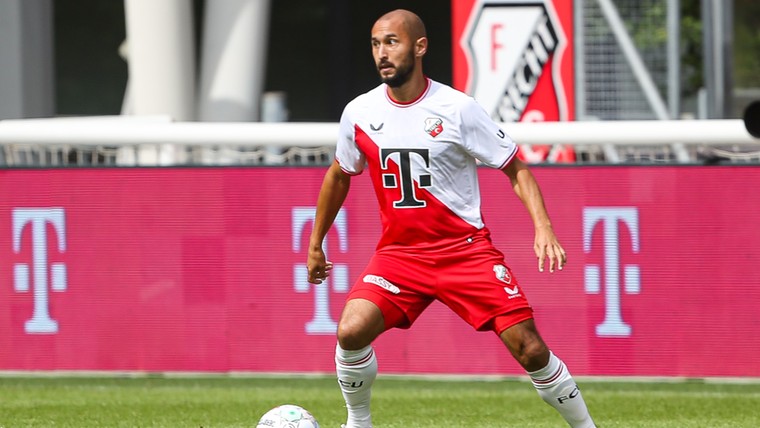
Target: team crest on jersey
x: 434, y: 126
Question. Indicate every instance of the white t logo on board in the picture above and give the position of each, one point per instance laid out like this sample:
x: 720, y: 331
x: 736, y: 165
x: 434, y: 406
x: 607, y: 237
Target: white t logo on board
x: 611, y: 217
x: 322, y: 322
x: 39, y: 218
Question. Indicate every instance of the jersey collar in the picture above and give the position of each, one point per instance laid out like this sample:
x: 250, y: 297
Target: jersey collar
x: 409, y: 103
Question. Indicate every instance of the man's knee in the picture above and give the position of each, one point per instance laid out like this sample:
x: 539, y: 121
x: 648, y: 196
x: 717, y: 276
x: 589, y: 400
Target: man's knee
x: 526, y: 345
x: 360, y: 323
x: 534, y: 355
x: 352, y: 336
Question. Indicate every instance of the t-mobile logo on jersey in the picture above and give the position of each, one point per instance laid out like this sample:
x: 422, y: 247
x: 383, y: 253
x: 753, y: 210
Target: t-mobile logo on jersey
x: 39, y: 218
x: 406, y: 175
x: 322, y: 322
x: 611, y: 217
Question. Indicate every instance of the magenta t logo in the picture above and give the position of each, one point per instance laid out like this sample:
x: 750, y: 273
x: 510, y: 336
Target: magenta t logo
x: 38, y: 219
x: 611, y: 218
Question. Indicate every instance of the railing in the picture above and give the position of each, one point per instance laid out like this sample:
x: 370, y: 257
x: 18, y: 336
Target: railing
x: 157, y: 141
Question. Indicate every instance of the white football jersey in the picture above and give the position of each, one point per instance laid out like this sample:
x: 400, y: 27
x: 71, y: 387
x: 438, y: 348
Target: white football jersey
x: 422, y: 161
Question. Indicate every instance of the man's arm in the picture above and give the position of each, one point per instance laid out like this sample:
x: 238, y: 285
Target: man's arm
x: 334, y: 190
x: 546, y: 244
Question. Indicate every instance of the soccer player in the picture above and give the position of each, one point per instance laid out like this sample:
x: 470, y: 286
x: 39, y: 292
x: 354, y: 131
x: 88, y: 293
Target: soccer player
x: 420, y: 140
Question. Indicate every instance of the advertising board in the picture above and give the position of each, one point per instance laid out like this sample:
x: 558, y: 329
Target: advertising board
x: 203, y: 269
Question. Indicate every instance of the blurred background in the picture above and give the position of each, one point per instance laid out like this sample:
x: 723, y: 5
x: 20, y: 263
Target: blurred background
x: 160, y: 162
x: 70, y: 57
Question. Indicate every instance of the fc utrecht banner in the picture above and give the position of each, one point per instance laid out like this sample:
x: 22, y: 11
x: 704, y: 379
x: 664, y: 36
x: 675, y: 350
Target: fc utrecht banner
x: 515, y: 57
x: 203, y: 269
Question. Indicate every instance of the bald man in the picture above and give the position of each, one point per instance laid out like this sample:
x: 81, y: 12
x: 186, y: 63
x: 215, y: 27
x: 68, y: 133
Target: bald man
x: 421, y: 141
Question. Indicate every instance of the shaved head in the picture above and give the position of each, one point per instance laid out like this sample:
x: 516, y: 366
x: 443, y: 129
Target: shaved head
x: 412, y: 23
x: 399, y: 42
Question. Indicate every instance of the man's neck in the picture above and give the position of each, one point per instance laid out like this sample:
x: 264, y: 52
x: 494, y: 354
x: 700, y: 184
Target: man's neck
x: 409, y: 91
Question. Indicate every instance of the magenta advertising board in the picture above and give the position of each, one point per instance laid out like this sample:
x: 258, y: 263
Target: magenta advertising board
x: 203, y: 269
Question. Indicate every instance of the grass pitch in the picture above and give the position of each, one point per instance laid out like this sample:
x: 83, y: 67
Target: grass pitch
x: 398, y: 402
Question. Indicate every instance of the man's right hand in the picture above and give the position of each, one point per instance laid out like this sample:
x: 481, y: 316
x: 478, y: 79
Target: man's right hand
x: 319, y: 268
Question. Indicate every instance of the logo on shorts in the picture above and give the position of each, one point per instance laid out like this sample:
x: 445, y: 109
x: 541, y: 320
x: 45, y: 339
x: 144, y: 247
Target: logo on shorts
x: 382, y: 282
x: 502, y: 274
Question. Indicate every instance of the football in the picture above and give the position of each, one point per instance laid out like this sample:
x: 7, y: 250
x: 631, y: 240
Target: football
x: 288, y: 416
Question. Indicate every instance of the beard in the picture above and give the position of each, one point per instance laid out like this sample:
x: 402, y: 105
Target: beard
x: 403, y: 72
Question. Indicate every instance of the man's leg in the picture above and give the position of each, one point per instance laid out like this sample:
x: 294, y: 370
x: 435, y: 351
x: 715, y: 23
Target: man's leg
x: 548, y: 373
x: 360, y: 323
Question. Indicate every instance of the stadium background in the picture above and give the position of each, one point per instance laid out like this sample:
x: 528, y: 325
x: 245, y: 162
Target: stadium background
x: 321, y: 74
x: 201, y: 269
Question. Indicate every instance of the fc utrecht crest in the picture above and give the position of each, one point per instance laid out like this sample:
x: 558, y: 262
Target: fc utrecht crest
x: 514, y: 50
x: 433, y: 126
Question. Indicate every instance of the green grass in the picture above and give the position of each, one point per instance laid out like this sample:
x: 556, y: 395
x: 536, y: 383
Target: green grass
x: 397, y: 402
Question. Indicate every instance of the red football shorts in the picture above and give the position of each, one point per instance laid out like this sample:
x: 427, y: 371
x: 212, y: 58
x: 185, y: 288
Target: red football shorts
x: 471, y: 279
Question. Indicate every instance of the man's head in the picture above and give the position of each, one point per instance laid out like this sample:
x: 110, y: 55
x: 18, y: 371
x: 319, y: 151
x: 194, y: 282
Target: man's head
x: 399, y: 42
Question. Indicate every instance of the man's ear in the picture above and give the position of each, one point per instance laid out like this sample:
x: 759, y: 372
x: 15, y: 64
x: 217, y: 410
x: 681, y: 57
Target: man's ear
x: 420, y: 46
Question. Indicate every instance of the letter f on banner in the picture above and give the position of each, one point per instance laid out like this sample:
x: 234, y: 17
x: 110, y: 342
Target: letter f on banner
x: 39, y: 218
